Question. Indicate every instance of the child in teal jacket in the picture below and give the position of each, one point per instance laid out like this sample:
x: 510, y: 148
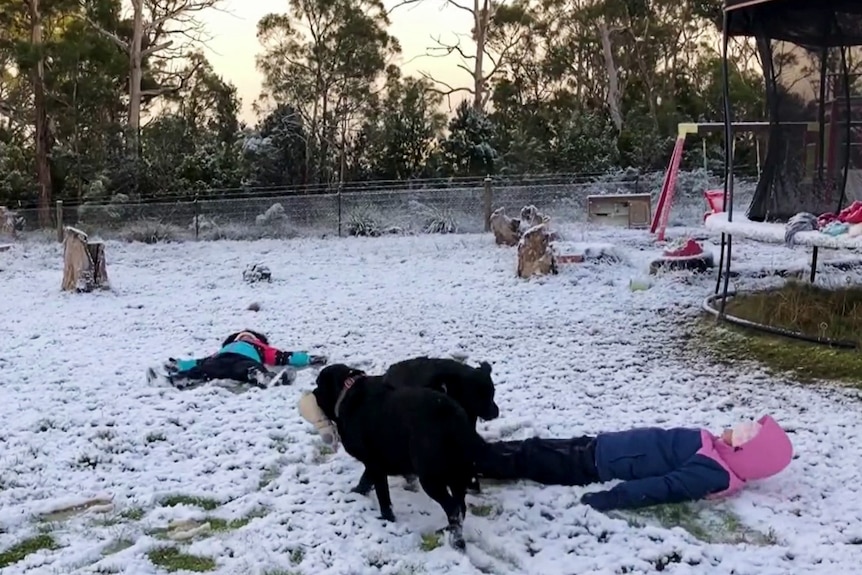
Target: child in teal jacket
x: 244, y: 357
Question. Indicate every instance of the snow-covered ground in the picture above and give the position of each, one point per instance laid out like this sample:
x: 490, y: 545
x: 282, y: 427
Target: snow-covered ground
x: 572, y: 354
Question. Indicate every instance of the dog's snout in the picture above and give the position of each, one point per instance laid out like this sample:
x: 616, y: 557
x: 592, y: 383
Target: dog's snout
x: 492, y: 413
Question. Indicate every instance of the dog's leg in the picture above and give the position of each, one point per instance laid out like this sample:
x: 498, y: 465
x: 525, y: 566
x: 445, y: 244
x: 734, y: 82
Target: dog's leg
x: 411, y: 483
x: 365, y: 484
x: 437, y: 491
x: 381, y: 488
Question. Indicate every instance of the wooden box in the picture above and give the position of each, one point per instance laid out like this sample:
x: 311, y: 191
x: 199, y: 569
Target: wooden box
x: 621, y: 210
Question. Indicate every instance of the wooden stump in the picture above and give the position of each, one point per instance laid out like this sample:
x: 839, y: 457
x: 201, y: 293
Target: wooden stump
x: 535, y: 254
x: 84, y: 266
x: 531, y: 216
x: 7, y: 222
x: 507, y: 231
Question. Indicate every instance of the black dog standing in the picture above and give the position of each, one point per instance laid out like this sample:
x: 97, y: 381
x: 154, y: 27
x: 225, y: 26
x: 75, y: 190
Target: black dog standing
x: 402, y: 431
x: 472, y: 387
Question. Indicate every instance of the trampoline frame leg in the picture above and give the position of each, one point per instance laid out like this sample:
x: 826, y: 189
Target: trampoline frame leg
x: 814, y: 253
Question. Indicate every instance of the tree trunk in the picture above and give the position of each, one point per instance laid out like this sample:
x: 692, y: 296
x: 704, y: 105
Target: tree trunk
x: 480, y: 31
x: 135, y: 77
x: 614, y: 96
x: 42, y: 135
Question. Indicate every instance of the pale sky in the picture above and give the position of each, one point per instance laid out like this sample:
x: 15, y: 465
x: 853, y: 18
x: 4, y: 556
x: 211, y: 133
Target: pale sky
x: 234, y: 44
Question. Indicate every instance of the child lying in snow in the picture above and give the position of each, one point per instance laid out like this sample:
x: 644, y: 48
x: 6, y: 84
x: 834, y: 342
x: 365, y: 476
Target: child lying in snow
x: 243, y: 357
x: 656, y: 465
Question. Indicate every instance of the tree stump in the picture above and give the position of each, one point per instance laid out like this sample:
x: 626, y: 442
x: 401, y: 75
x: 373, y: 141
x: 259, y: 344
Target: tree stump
x: 531, y: 216
x: 84, y: 266
x: 7, y: 222
x: 535, y: 254
x: 507, y: 231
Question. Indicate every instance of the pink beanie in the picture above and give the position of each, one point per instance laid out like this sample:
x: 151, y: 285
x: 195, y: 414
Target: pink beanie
x: 744, y: 432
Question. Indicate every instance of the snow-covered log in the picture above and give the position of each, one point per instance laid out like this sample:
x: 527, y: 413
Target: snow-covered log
x: 84, y: 266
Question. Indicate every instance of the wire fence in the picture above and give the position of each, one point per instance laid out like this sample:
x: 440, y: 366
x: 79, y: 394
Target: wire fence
x: 366, y: 211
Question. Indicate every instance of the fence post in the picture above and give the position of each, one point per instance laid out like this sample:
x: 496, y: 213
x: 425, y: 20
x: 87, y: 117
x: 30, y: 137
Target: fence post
x: 59, y: 208
x: 488, y: 197
x: 338, y: 199
x: 197, y: 213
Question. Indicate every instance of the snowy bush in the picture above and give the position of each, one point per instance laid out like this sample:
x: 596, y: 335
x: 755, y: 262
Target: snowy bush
x: 363, y: 221
x: 151, y: 232
x: 202, y: 224
x: 275, y: 214
x: 435, y: 219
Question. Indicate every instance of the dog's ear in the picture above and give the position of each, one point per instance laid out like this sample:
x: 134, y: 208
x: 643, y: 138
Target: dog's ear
x: 485, y: 367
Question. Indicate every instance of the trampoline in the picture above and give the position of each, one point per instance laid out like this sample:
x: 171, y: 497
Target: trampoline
x: 793, y: 38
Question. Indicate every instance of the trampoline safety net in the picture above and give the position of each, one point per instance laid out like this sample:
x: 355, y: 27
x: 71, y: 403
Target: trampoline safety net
x: 811, y: 54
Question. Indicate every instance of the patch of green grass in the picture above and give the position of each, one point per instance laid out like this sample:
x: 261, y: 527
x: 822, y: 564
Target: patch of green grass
x: 133, y: 513
x: 218, y: 524
x: 800, y: 307
x: 172, y: 559
x: 155, y: 436
x: 431, y: 541
x: 269, y: 475
x: 117, y: 546
x: 705, y: 522
x: 297, y: 555
x: 482, y: 510
x: 807, y: 362
x: 204, y: 503
x: 810, y: 309
x: 24, y: 548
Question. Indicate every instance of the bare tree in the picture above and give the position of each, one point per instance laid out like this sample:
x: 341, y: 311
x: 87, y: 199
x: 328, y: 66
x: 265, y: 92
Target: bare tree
x: 497, y: 29
x: 164, y: 29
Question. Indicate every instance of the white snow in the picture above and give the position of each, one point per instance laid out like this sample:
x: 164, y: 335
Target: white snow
x: 572, y: 354
x: 774, y: 233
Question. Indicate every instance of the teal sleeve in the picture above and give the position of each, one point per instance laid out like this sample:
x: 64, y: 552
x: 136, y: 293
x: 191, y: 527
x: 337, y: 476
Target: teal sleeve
x: 299, y: 359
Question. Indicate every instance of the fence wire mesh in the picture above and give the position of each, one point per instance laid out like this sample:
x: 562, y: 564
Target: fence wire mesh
x: 367, y: 210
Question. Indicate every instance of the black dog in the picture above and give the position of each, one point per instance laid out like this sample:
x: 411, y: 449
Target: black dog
x: 471, y: 387
x: 401, y: 431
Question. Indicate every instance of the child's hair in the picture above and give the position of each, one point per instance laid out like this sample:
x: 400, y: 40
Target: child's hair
x: 232, y: 337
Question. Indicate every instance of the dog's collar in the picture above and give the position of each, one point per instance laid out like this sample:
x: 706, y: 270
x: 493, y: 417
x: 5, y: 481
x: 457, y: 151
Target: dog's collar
x: 348, y: 383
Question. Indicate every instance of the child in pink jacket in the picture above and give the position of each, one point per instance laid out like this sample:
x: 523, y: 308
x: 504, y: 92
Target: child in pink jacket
x: 655, y: 465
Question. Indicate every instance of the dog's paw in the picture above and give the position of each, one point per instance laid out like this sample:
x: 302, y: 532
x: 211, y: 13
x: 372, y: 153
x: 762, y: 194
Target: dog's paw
x: 361, y: 489
x: 456, y: 540
x: 387, y: 515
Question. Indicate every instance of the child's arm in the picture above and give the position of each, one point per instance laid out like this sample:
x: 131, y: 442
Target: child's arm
x: 694, y: 480
x: 275, y: 356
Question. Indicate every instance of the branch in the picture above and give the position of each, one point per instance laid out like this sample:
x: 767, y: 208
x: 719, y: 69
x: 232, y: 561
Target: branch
x: 157, y: 48
x: 183, y: 79
x: 400, y: 4
x: 123, y: 45
x: 448, y: 49
x: 449, y: 89
x: 469, y: 11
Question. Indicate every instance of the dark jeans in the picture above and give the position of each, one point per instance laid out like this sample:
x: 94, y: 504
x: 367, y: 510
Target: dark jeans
x: 548, y: 461
x: 225, y: 366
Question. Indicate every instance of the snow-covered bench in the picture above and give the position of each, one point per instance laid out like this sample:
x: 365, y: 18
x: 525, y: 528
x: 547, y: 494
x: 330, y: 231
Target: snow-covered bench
x: 774, y: 233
